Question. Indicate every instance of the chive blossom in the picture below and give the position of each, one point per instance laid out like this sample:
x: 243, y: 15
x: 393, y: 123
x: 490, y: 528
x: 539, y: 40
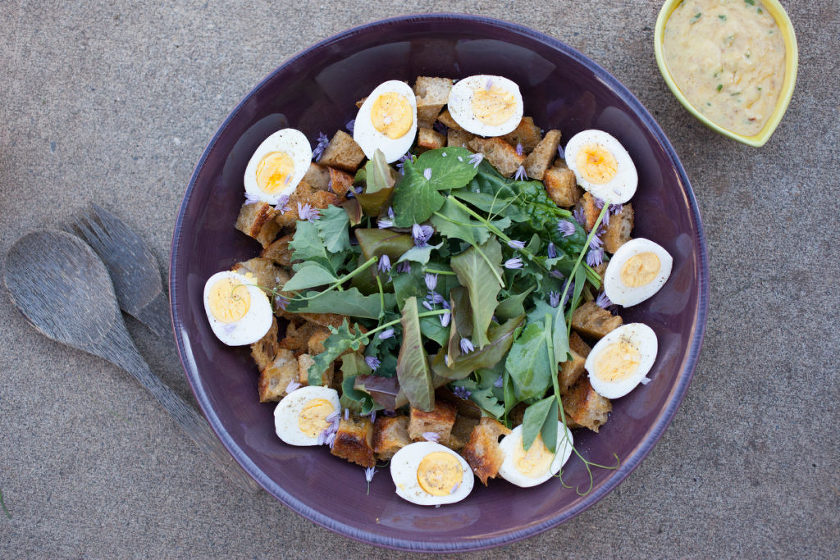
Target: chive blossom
x: 320, y: 146
x: 467, y: 346
x: 476, y: 159
x: 566, y: 227
x: 514, y: 244
x: 521, y: 174
x: 384, y: 264
x: 373, y: 362
x: 513, y: 264
x: 386, y: 334
x: 552, y: 251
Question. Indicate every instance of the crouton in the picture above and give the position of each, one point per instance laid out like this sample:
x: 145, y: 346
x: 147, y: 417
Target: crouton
x: 526, y: 133
x: 257, y: 220
x: 429, y: 139
x: 458, y: 138
x: 432, y: 94
x: 304, y: 362
x: 360, y: 102
x: 342, y: 152
x: 482, y: 450
x: 317, y: 176
x: 577, y: 344
x: 267, y: 275
x: 499, y: 153
x: 315, y: 344
x: 590, y: 210
x: 461, y: 431
x: 561, y: 185
x: 279, y: 251
x: 305, y: 194
x: 538, y: 160
x: 570, y: 371
x: 390, y: 434
x: 265, y: 349
x: 297, y: 336
x: 439, y: 421
x: 340, y: 182
x: 618, y: 230
x: 354, y: 441
x: 594, y: 322
x: 277, y: 375
x: 585, y: 407
x: 325, y: 319
x: 445, y: 118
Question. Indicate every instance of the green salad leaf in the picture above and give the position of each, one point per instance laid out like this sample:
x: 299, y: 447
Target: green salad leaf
x: 477, y: 268
x: 378, y: 242
x: 333, y: 229
x: 533, y: 420
x: 360, y: 402
x: 350, y: 302
x: 379, y: 184
x: 309, y: 275
x: 412, y: 367
x: 501, y: 338
x: 528, y: 364
x: 340, y: 340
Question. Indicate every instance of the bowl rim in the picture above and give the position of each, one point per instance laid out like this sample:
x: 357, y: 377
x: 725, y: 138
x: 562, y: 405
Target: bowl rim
x: 660, y: 423
x: 775, y: 8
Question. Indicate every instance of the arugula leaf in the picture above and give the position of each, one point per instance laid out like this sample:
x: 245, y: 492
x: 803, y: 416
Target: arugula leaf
x: 477, y: 275
x: 513, y: 306
x: 412, y: 367
x: 341, y: 340
x: 454, y: 222
x: 379, y: 184
x: 528, y: 364
x: 353, y: 365
x: 309, y: 275
x: 378, y: 242
x: 541, y: 309
x: 419, y: 254
x: 332, y: 228
x: 350, y: 302
x: 534, y: 419
x: 494, y: 205
x: 501, y: 339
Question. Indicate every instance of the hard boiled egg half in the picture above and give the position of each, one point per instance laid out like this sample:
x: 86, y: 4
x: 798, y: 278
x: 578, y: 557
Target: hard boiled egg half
x: 429, y: 474
x: 305, y: 413
x: 278, y: 165
x: 621, y: 360
x: 537, y: 464
x: 636, y: 272
x: 238, y: 310
x: 486, y: 105
x: 387, y: 121
x: 602, y: 166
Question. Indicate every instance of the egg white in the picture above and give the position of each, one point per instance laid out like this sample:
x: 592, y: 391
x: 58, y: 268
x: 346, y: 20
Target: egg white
x: 289, y: 408
x: 253, y: 325
x: 370, y: 139
x: 288, y: 140
x: 624, y: 295
x: 623, y: 186
x: 513, y: 440
x: 637, y: 335
x: 460, y: 104
x: 404, y: 466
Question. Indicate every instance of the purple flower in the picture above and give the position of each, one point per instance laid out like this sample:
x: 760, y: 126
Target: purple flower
x: 306, y: 212
x: 521, y: 174
x: 462, y: 392
x: 455, y: 488
x: 519, y: 149
x: 579, y: 215
x: 386, y: 334
x: 431, y: 436
x: 292, y: 386
x: 347, y: 414
x: 445, y: 318
x: 407, y: 157
x: 476, y: 159
x: 616, y: 209
x: 513, y: 264
x: 488, y: 84
x: 404, y: 267
x: 603, y: 301
x: 427, y: 305
x: 440, y: 128
x: 251, y: 198
x: 513, y: 244
x: 499, y: 382
x: 372, y: 416
x: 384, y: 264
x: 552, y: 251
x: 369, y: 472
x: 320, y: 146
x: 594, y: 257
x: 333, y: 417
x: 351, y: 125
x: 467, y: 346
x: 421, y: 234
x: 330, y: 440
x: 431, y: 281
x: 373, y: 362
x: 566, y: 227
x: 596, y: 242
x: 282, y: 204
x: 557, y: 274
x: 384, y: 223
x: 427, y: 173
x: 560, y: 152
x: 280, y: 302
x: 434, y: 298
x: 554, y: 298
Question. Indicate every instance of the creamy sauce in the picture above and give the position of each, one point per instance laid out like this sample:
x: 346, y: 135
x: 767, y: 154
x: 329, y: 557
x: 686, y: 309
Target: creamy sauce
x: 728, y: 59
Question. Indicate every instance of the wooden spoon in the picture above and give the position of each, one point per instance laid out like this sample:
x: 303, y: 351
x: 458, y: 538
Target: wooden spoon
x: 63, y: 289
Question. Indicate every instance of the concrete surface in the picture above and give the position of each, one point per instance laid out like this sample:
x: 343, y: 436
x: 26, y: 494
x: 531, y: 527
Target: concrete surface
x: 114, y: 102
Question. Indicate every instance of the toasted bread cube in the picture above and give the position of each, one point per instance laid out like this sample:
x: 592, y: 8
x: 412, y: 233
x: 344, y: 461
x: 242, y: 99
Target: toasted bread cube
x: 265, y: 349
x: 305, y: 194
x: 340, y: 182
x: 591, y: 320
x: 439, y: 421
x: 297, y: 335
x: 499, y: 153
x: 390, y: 434
x: 277, y: 375
x: 619, y: 228
x: 279, y: 251
x: 342, y: 152
x: 538, y: 161
x: 590, y: 210
x: 432, y: 94
x: 430, y: 139
x: 482, y: 450
x: 304, y: 362
x: 570, y: 371
x: 577, y: 344
x: 445, y: 118
x: 315, y: 344
x: 561, y: 185
x: 257, y: 220
x: 461, y: 432
x: 267, y: 274
x: 317, y: 176
x: 585, y: 407
x: 360, y: 102
x: 354, y: 441
x: 458, y: 138
x: 526, y: 133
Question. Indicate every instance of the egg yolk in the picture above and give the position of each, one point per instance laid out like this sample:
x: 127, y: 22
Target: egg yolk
x: 536, y: 461
x: 493, y: 106
x: 596, y: 164
x: 617, y: 361
x: 640, y: 269
x: 312, y: 419
x: 274, y: 172
x: 229, y: 300
x: 439, y: 473
x: 391, y: 115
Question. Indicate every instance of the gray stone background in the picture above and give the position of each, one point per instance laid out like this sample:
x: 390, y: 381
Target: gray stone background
x: 114, y: 102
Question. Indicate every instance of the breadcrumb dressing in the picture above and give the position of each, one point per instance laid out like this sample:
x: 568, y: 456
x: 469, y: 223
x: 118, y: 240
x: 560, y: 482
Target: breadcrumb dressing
x: 728, y: 59
x: 493, y: 106
x: 229, y: 300
x: 617, y: 361
x: 439, y: 473
x: 312, y: 419
x: 392, y: 115
x: 536, y: 461
x: 596, y: 164
x: 275, y: 171
x: 640, y: 270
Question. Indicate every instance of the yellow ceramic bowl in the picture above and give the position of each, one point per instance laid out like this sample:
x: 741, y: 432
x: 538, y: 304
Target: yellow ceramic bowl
x: 791, y: 64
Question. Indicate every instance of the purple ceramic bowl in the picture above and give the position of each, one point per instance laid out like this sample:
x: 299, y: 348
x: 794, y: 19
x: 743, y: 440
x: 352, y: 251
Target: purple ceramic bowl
x: 315, y: 91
